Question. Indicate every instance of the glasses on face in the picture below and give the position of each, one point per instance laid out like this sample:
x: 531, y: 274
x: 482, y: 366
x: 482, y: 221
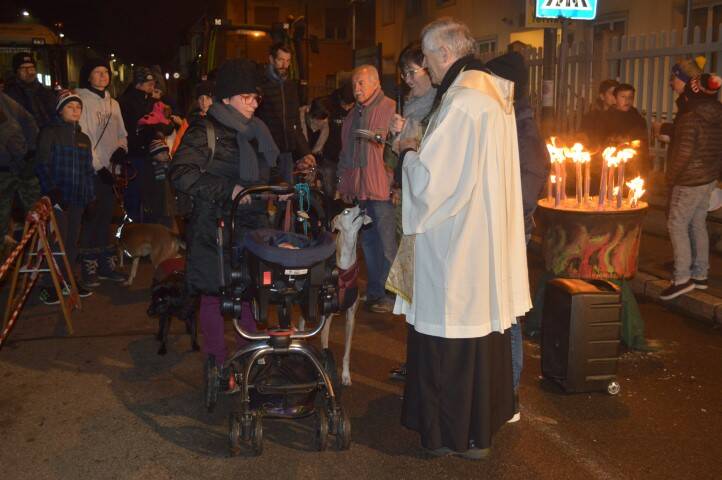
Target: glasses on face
x: 411, y: 73
x: 250, y: 97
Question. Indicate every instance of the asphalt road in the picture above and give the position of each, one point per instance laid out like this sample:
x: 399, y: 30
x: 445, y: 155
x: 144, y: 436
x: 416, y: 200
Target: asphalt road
x: 103, y: 404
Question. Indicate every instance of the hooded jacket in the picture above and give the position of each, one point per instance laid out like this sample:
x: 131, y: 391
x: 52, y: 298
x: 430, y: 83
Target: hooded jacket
x: 102, y: 121
x: 13, y: 148
x: 33, y: 97
x: 65, y: 163
x: 696, y: 152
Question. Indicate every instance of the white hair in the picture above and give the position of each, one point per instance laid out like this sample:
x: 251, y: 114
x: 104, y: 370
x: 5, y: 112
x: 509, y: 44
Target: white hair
x: 450, y: 33
x: 370, y: 70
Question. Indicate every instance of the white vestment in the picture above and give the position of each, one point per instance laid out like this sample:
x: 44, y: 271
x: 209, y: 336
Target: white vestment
x: 462, y: 201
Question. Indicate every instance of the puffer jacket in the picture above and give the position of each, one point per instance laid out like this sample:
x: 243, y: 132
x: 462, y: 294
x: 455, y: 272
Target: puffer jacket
x: 696, y: 156
x: 35, y: 98
x: 210, y: 183
x: 279, y: 111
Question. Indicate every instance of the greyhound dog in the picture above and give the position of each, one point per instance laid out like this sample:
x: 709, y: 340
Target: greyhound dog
x: 348, y: 223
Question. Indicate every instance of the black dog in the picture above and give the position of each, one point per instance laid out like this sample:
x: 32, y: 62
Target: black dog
x: 170, y: 298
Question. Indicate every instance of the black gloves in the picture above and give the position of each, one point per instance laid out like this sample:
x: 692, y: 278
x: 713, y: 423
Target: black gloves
x: 118, y: 156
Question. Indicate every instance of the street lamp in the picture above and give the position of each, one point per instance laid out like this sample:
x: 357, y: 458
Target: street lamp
x: 61, y: 35
x: 25, y: 13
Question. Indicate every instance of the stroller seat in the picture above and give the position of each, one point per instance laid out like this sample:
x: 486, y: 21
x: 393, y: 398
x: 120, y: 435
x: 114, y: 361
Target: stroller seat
x: 265, y: 244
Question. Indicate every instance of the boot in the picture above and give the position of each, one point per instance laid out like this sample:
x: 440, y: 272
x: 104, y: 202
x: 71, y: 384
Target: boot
x: 89, y: 271
x: 106, y: 267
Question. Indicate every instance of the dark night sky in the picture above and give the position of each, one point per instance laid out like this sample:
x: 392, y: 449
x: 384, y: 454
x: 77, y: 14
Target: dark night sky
x: 141, y: 31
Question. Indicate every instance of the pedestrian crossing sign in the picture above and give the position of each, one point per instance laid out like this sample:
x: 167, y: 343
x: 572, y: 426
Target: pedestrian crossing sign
x: 571, y: 9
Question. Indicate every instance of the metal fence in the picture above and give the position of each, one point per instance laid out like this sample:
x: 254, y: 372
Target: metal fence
x: 643, y: 61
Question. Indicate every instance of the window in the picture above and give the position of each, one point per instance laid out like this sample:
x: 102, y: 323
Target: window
x: 706, y: 18
x: 413, y: 8
x: 265, y: 15
x: 487, y: 46
x: 388, y: 11
x: 337, y: 24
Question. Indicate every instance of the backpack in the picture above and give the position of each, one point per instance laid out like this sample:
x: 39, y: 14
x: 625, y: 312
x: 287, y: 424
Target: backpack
x: 184, y: 201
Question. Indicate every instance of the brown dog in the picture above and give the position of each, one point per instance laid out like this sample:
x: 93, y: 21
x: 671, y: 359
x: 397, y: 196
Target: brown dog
x: 148, y: 239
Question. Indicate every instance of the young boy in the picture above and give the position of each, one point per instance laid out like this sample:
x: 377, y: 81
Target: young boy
x: 624, y: 123
x: 66, y: 174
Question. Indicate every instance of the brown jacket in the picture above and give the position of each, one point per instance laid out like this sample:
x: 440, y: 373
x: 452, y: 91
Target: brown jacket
x: 696, y: 155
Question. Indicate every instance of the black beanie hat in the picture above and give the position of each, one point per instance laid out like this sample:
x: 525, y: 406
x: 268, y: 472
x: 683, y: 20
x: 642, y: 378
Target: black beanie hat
x: 142, y: 75
x: 22, y: 57
x: 204, y: 88
x: 511, y: 67
x: 88, y: 68
x: 236, y: 77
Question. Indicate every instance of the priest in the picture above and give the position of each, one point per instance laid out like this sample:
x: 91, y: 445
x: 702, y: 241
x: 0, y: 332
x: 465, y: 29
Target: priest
x: 461, y: 274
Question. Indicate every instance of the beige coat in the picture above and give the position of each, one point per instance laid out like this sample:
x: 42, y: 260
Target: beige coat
x: 462, y: 201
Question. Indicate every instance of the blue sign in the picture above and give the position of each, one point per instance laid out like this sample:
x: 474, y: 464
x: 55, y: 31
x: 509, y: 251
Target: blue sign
x: 572, y: 9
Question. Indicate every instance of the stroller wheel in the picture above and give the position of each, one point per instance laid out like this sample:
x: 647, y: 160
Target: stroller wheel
x: 211, y: 383
x: 343, y: 430
x: 321, y: 439
x: 257, y: 434
x: 234, y: 434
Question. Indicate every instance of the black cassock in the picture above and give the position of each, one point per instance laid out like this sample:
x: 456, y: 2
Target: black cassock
x: 458, y: 390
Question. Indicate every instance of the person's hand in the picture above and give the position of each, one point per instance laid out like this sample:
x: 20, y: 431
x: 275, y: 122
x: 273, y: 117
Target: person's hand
x: 306, y: 163
x: 408, y: 142
x: 118, y: 156
x: 656, y: 128
x: 237, y: 191
x: 396, y: 196
x: 397, y: 124
x: 177, y: 120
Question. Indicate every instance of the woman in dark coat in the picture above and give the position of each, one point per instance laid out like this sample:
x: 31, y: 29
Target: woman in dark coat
x: 243, y: 147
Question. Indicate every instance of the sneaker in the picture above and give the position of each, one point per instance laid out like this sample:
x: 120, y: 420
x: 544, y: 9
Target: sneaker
x: 398, y: 373
x: 89, y: 272
x: 82, y: 292
x: 517, y: 414
x: 48, y: 296
x: 675, y: 290
x: 106, y: 269
x: 700, y: 283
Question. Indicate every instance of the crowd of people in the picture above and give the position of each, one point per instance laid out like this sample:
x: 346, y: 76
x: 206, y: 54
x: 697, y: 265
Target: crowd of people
x: 451, y: 190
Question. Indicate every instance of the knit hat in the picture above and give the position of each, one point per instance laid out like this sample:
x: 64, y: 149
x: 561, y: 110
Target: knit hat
x: 510, y: 66
x: 88, y: 68
x: 687, y: 68
x: 157, y: 147
x: 142, y: 75
x: 64, y: 98
x: 236, y: 77
x: 21, y: 58
x: 707, y: 84
x: 204, y: 88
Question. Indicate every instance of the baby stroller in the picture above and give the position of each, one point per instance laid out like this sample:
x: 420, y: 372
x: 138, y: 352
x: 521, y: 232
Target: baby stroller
x: 279, y: 374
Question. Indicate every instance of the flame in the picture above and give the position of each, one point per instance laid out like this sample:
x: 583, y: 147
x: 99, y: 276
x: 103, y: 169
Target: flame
x: 636, y: 189
x: 577, y: 153
x: 615, y: 192
x: 556, y: 153
x: 553, y: 178
x: 626, y: 154
x: 609, y: 156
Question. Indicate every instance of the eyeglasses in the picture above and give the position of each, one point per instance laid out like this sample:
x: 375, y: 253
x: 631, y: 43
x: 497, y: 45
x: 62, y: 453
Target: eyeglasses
x: 249, y: 97
x: 411, y: 73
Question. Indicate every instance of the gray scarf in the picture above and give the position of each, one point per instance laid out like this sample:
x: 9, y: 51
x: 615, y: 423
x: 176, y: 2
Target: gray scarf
x: 247, y: 130
x: 359, y: 120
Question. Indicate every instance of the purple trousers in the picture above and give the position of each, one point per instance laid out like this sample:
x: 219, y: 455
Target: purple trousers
x: 213, y: 328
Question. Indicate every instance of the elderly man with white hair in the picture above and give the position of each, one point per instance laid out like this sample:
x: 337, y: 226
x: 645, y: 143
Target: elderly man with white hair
x: 363, y: 176
x: 464, y: 244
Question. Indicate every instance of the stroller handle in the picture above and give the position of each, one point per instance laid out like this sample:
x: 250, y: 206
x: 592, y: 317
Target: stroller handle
x: 277, y: 189
x: 251, y: 337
